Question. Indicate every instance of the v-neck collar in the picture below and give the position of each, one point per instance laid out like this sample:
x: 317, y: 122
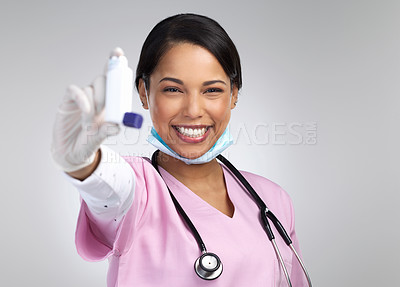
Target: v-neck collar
x: 197, y: 204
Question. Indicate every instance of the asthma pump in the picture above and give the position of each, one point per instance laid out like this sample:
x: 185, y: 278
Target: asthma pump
x: 119, y: 88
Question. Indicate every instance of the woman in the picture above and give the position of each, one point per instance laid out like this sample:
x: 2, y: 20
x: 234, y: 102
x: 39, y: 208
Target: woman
x: 188, y: 77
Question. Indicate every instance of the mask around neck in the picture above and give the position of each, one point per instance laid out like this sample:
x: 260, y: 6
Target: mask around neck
x: 221, y: 144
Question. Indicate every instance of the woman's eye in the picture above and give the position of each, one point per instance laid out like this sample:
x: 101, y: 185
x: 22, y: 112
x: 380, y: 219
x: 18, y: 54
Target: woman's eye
x: 214, y: 90
x: 171, y: 90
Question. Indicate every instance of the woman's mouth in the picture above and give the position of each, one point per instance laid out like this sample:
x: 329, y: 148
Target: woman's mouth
x: 192, y: 134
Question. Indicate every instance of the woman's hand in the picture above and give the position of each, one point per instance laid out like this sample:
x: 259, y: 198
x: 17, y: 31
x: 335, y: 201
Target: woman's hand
x: 79, y: 129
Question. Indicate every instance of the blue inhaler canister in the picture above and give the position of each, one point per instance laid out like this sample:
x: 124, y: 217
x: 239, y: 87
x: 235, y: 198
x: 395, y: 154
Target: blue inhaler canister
x: 119, y: 88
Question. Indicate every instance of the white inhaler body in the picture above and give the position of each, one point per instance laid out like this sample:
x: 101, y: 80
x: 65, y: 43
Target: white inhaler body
x: 119, y: 88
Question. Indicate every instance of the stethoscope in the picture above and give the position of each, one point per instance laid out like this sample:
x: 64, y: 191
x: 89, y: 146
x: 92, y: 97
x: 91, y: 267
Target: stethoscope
x: 209, y: 266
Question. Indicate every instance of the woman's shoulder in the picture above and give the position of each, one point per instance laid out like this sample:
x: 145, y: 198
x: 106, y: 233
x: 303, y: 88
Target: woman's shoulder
x: 263, y: 184
x: 274, y: 196
x: 260, y: 180
x: 132, y: 160
x: 138, y: 163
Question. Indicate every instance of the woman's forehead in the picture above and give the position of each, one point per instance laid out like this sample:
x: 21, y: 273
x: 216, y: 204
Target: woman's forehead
x: 189, y: 61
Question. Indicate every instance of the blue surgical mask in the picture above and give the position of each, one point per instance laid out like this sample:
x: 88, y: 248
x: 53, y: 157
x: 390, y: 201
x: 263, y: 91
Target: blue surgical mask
x: 222, y: 143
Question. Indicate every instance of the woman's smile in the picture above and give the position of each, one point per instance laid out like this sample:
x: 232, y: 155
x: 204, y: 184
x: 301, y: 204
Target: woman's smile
x: 192, y: 133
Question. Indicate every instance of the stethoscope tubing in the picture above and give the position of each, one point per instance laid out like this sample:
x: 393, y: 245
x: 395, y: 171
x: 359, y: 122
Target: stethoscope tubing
x: 265, y: 215
x: 181, y: 211
x: 302, y: 265
x: 280, y: 259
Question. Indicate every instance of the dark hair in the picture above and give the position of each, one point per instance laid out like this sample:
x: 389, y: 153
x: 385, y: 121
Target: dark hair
x: 188, y: 28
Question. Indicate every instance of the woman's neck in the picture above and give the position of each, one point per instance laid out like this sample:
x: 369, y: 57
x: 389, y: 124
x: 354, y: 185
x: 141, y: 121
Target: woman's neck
x: 206, y: 180
x: 193, y: 173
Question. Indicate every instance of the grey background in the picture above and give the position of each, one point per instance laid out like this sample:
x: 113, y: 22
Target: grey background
x: 335, y: 64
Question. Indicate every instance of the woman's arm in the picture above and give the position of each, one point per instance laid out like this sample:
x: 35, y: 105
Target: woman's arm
x: 107, y: 193
x: 85, y: 172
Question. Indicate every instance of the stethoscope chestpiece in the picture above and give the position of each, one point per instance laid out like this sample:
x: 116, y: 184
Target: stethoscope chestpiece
x: 208, y: 266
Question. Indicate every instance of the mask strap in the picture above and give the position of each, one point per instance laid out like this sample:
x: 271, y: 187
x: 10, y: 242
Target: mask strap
x: 147, y: 95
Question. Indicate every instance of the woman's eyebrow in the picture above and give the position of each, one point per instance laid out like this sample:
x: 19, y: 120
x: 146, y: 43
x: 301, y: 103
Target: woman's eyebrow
x: 207, y: 83
x: 213, y: 82
x: 172, y: 80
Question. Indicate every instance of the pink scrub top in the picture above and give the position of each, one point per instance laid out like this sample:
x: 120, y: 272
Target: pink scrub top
x: 153, y: 246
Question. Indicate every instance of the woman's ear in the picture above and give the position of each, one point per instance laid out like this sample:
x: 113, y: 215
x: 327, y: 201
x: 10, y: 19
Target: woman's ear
x: 143, y: 94
x: 235, y: 92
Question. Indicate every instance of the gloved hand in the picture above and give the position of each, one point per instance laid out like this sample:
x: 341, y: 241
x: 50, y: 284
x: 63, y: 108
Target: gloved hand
x: 79, y: 128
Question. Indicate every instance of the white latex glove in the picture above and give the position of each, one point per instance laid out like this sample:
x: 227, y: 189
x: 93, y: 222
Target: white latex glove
x: 79, y: 128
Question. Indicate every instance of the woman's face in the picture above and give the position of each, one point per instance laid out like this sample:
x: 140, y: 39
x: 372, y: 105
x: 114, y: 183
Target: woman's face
x: 190, y: 99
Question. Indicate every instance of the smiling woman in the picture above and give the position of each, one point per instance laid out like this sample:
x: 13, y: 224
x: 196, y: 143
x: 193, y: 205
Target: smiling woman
x: 190, y: 98
x: 144, y: 216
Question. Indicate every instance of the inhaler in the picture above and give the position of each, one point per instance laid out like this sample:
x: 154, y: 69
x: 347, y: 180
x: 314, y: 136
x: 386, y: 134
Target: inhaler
x: 119, y: 88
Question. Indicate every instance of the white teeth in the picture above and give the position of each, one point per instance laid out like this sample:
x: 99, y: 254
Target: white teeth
x: 193, y: 133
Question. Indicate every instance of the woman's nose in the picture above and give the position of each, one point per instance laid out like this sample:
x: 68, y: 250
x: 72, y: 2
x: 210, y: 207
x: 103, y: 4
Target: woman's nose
x: 193, y: 105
